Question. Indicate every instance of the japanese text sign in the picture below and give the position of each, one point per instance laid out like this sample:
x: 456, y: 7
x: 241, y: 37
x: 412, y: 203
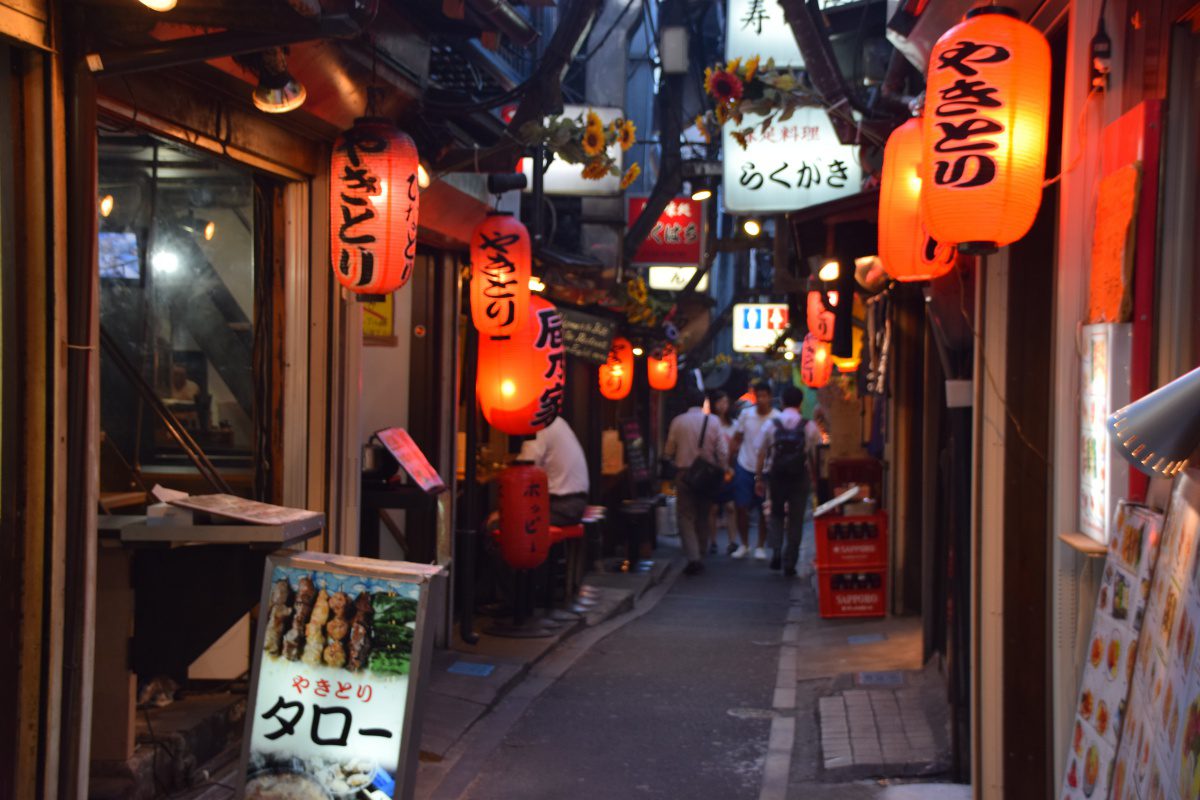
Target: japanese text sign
x: 674, y: 279
x: 676, y: 236
x: 567, y: 179
x: 759, y: 28
x: 756, y: 326
x: 339, y: 647
x: 586, y: 336
x: 402, y: 447
x: 789, y: 166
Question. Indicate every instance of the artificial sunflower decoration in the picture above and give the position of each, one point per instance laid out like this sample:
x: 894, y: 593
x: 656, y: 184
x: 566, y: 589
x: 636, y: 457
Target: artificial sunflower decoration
x: 630, y: 176
x: 627, y: 135
x: 585, y: 140
x: 702, y: 126
x: 593, y: 141
x: 725, y: 87
x: 594, y: 122
x: 739, y: 87
x: 595, y: 169
x: 750, y: 69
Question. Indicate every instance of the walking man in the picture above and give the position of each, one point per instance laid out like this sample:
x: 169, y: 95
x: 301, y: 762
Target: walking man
x: 746, y: 433
x: 785, y: 452
x: 694, y: 435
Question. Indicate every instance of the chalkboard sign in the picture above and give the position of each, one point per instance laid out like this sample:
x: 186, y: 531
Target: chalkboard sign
x: 586, y: 336
x: 635, y: 451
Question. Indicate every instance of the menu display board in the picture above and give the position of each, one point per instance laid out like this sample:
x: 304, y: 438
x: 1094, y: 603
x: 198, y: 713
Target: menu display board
x: 402, y: 447
x: 1158, y: 757
x: 339, y: 655
x: 586, y: 336
x: 1103, y: 388
x: 635, y: 450
x: 1112, y: 651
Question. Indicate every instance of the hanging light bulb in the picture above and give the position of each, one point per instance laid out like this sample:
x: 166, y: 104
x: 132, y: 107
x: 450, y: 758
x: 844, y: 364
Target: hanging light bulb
x: 210, y: 230
x: 536, y: 284
x: 279, y: 94
x: 637, y: 351
x: 159, y: 5
x: 829, y: 270
x: 752, y: 227
x: 423, y: 179
x: 701, y: 194
x: 106, y: 205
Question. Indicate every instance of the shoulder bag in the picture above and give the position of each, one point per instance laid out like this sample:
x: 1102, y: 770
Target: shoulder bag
x: 702, y: 477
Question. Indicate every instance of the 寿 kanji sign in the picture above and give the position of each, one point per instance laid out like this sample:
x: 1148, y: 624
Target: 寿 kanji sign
x: 789, y: 166
x: 677, y: 235
x: 757, y: 326
x: 759, y: 28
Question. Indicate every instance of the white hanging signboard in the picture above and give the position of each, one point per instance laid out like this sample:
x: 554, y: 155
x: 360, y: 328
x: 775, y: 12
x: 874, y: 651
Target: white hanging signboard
x: 567, y: 179
x: 758, y: 28
x: 756, y: 326
x: 789, y: 166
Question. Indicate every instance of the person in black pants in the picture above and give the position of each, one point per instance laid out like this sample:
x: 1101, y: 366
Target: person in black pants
x: 785, y: 451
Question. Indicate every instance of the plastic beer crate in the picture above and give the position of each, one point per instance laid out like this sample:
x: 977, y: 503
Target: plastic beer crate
x: 859, y: 591
x: 852, y: 541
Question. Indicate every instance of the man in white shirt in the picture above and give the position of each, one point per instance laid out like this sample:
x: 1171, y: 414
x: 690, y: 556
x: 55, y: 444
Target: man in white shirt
x: 693, y: 434
x: 556, y: 450
x: 746, y: 433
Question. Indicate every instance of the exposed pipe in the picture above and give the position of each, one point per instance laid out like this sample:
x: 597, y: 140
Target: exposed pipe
x: 507, y: 20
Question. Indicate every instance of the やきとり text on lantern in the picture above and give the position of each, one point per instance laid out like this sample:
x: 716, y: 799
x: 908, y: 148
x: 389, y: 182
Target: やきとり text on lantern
x: 987, y: 108
x: 906, y: 249
x: 616, y: 376
x: 500, y: 270
x: 521, y: 375
x: 816, y: 364
x: 373, y: 204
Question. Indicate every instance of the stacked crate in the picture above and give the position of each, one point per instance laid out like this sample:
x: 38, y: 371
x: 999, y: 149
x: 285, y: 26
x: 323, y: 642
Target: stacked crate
x: 852, y: 565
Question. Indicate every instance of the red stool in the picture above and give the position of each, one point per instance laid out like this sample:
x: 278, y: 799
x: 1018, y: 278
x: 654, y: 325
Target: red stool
x: 558, y: 534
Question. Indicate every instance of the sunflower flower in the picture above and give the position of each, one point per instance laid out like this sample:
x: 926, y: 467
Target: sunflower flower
x: 594, y: 122
x: 750, y: 69
x: 742, y: 138
x: 702, y: 126
x: 722, y: 113
x: 593, y: 141
x: 733, y: 65
x: 630, y: 176
x: 725, y: 87
x: 595, y: 169
x: 627, y: 135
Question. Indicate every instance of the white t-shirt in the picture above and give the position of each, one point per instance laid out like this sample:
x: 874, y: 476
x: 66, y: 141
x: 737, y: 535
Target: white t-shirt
x: 556, y: 450
x: 750, y: 424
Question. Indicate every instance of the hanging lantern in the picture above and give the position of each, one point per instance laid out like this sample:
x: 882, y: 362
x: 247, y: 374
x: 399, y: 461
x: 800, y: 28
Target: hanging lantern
x: 500, y: 270
x: 520, y: 377
x: 850, y: 363
x: 373, y: 207
x: 816, y: 365
x: 524, y: 535
x: 663, y: 371
x: 987, y: 108
x: 616, y: 376
x: 907, y: 250
x: 820, y: 318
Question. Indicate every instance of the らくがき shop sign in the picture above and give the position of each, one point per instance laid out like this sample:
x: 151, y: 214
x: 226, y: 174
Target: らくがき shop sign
x: 790, y: 165
x: 340, y: 652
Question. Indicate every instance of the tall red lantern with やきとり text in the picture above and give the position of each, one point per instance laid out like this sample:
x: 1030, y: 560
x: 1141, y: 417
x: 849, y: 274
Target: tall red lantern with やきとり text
x: 906, y: 249
x: 987, y: 109
x: 816, y: 364
x: 524, y: 535
x: 373, y: 206
x: 520, y: 376
x: 820, y: 319
x: 616, y: 376
x: 500, y: 270
x: 663, y: 370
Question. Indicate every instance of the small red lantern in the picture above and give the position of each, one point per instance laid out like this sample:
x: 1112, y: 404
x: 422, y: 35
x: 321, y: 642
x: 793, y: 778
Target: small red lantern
x: 616, y: 377
x: 373, y: 206
x: 524, y: 535
x: 906, y: 249
x: 987, y: 110
x: 816, y: 364
x: 521, y: 376
x: 820, y: 318
x: 500, y: 270
x: 663, y: 370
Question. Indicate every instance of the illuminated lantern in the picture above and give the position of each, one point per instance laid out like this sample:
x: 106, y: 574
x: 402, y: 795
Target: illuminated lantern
x: 907, y: 251
x: 616, y: 376
x: 987, y: 107
x: 662, y: 372
x: 820, y: 318
x: 816, y: 365
x: 850, y: 364
x: 524, y: 535
x: 373, y: 200
x: 500, y: 269
x: 520, y: 377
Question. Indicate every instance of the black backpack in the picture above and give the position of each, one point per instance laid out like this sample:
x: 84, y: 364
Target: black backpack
x: 788, y: 457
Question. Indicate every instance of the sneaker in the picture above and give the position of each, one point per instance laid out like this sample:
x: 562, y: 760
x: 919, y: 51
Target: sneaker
x: 730, y: 548
x: 693, y: 568
x: 776, y: 562
x: 739, y: 553
x: 760, y: 554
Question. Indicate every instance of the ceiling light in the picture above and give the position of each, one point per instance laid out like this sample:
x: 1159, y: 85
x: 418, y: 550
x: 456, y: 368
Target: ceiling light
x: 106, y: 205
x: 701, y: 194
x: 833, y: 299
x: 423, y: 179
x: 210, y: 230
x: 278, y: 93
x: 165, y: 262
x: 789, y: 355
x: 535, y: 284
x: 829, y: 270
x: 637, y: 351
x: 159, y: 5
x: 752, y: 227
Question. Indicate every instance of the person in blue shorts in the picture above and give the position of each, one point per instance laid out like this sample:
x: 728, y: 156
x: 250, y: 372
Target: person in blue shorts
x: 747, y: 431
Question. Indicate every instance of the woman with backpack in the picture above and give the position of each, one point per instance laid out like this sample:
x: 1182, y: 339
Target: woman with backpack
x: 785, y: 450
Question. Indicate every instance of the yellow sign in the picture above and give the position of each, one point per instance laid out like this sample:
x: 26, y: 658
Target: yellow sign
x: 379, y: 320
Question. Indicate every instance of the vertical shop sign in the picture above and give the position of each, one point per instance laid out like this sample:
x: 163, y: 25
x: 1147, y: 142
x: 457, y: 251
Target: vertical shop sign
x: 789, y: 165
x: 760, y: 28
x: 1103, y: 388
x: 676, y: 236
x: 339, y: 658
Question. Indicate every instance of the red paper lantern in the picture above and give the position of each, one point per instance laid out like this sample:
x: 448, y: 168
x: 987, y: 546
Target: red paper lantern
x: 373, y: 202
x: 524, y: 535
x: 987, y: 109
x: 663, y: 371
x: 820, y: 318
x: 816, y: 364
x: 500, y: 270
x: 520, y: 379
x: 906, y: 249
x: 616, y: 376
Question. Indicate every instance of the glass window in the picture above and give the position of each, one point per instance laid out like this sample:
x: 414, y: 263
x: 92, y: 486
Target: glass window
x: 177, y: 313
